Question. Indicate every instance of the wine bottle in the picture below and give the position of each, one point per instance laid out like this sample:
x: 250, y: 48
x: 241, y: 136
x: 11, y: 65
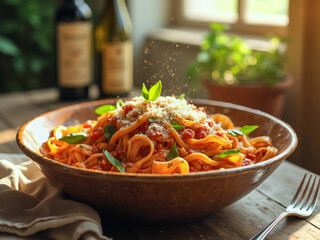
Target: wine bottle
x: 114, y: 50
x: 74, y: 49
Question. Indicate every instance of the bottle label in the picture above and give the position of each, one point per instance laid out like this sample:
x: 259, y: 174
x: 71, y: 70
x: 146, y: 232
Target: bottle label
x: 117, y: 67
x: 74, y: 53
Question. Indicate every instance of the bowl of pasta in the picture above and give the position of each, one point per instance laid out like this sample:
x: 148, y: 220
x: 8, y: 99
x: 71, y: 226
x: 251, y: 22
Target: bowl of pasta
x: 154, y: 158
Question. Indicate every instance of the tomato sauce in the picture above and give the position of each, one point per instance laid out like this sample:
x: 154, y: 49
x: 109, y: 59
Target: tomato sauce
x: 96, y: 134
x: 187, y: 133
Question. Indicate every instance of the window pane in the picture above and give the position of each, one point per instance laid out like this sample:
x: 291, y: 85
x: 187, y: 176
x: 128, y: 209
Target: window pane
x: 271, y: 12
x: 211, y: 10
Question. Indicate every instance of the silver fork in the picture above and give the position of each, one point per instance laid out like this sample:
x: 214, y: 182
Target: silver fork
x: 302, y: 204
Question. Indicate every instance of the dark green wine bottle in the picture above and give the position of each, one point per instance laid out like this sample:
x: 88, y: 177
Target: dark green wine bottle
x: 74, y: 49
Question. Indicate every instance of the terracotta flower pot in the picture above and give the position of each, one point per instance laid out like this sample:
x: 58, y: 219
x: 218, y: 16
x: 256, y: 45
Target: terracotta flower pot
x: 264, y: 98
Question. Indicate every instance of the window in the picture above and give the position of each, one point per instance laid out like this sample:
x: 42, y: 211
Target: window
x: 256, y: 17
x: 205, y: 10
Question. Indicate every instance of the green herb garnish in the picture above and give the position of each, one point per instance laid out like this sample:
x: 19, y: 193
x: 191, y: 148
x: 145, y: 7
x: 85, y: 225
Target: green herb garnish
x: 104, y: 108
x: 176, y: 125
x: 119, y: 104
x: 173, y: 153
x: 243, y: 131
x: 235, y: 132
x: 109, y: 130
x: 153, y: 93
x: 228, y: 152
x: 74, y: 137
x: 248, y: 129
x: 145, y: 92
x: 115, y: 162
x: 181, y: 96
x: 152, y: 120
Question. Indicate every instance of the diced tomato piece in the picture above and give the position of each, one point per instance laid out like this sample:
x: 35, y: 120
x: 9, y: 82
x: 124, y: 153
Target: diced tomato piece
x: 220, y: 134
x: 114, y: 121
x: 200, y: 133
x: 187, y: 133
x: 97, y: 133
x: 202, y: 110
x: 210, y: 123
x: 88, y: 124
x: 127, y: 108
x: 251, y: 156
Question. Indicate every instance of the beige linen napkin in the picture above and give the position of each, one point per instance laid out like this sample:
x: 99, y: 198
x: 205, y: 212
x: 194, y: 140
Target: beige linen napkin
x: 31, y: 207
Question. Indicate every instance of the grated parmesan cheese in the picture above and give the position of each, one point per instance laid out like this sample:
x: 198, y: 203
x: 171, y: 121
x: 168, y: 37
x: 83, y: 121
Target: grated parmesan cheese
x: 166, y: 109
x: 163, y: 110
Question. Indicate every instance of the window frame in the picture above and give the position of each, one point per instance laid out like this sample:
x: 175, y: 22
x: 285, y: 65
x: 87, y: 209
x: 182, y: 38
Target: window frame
x: 177, y: 19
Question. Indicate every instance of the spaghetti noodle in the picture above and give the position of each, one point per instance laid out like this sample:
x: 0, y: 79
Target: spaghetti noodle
x: 164, y: 136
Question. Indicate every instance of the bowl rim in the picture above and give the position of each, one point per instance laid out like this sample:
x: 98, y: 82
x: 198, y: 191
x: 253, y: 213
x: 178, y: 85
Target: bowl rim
x: 39, y: 158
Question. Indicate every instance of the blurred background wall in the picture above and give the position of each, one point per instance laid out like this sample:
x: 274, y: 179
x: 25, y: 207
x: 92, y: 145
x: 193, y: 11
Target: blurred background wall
x: 165, y: 42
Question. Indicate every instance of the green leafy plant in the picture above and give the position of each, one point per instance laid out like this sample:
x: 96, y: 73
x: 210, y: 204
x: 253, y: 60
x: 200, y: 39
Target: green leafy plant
x: 228, y: 60
x: 26, y: 44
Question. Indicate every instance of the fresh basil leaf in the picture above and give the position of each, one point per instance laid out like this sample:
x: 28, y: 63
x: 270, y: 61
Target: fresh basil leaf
x: 145, y: 92
x: 176, y: 125
x: 155, y: 91
x: 248, y: 129
x: 173, y: 153
x: 119, y: 104
x: 235, y: 132
x: 228, y: 152
x: 152, y: 120
x: 74, y: 137
x: 109, y: 130
x: 243, y: 131
x: 115, y: 162
x: 181, y: 96
x: 104, y: 108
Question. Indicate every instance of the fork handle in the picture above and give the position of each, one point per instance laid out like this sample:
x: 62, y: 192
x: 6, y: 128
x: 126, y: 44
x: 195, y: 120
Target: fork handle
x: 264, y: 231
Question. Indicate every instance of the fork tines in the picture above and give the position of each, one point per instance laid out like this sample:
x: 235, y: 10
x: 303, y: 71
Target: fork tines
x: 307, y: 194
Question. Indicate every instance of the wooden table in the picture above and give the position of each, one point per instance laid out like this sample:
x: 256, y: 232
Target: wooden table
x: 241, y: 220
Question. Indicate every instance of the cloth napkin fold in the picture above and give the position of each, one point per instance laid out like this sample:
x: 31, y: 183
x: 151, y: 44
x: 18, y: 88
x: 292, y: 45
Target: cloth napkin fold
x: 32, y: 207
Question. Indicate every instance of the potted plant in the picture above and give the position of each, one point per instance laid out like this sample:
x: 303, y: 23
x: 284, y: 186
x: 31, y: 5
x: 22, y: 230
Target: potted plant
x: 233, y: 72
